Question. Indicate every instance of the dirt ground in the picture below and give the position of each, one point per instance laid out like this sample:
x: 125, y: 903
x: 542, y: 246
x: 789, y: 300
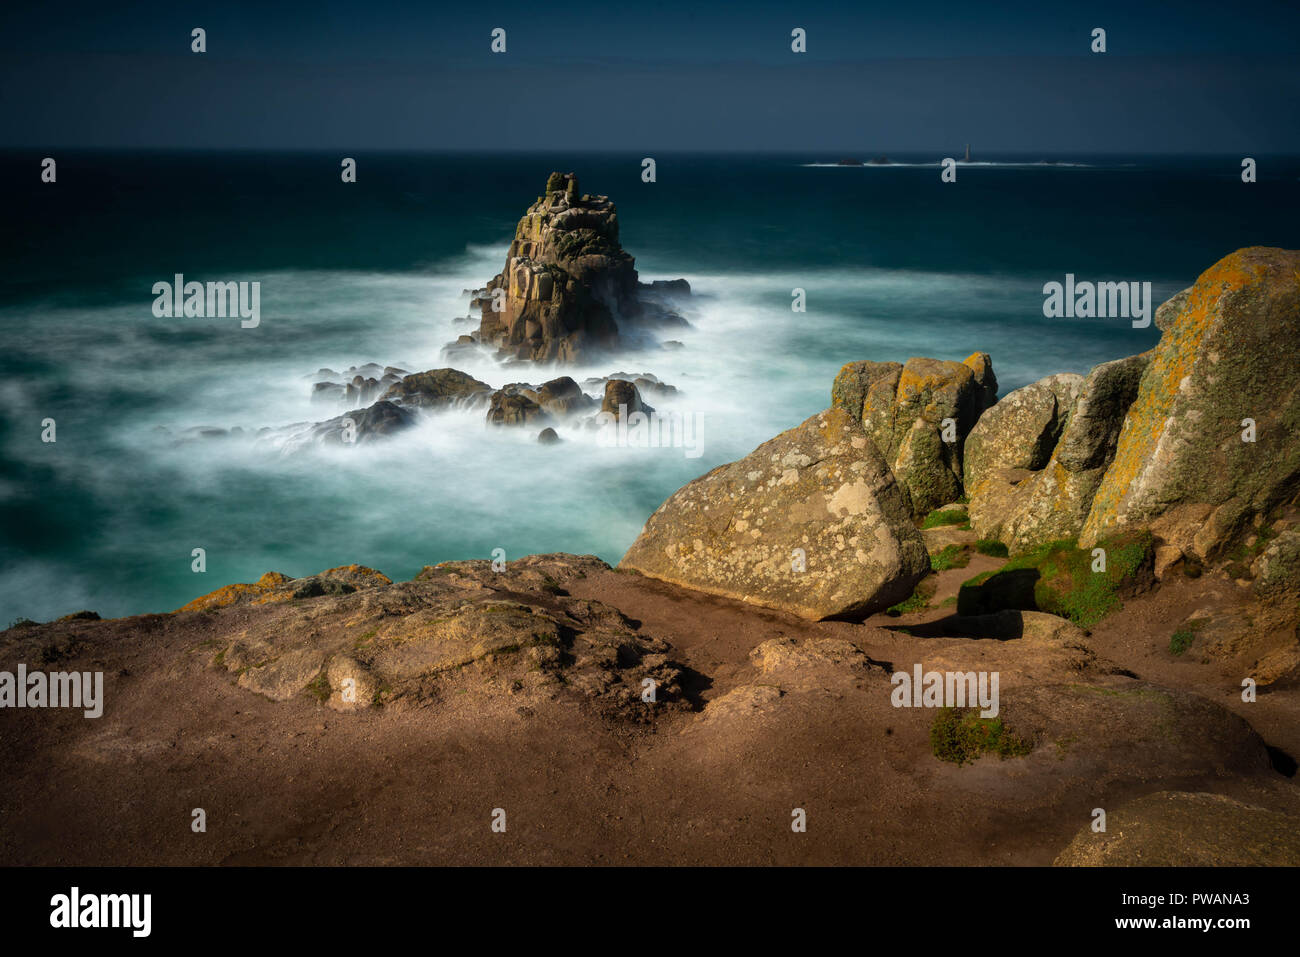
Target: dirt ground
x: 715, y: 782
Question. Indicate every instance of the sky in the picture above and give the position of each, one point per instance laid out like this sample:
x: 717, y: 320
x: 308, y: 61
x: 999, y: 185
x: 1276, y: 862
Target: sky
x: 1186, y: 77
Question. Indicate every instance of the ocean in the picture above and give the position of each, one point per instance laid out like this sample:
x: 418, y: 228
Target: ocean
x: 894, y: 263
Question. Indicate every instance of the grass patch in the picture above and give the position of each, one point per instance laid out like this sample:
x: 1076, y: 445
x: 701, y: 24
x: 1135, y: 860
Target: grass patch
x: 945, y: 516
x: 320, y: 688
x: 1182, y: 639
x: 919, y: 599
x: 960, y: 735
x: 951, y: 556
x: 992, y: 547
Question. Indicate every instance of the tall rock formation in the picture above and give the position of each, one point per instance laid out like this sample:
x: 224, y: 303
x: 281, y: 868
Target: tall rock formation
x: 567, y: 281
x: 1210, y: 441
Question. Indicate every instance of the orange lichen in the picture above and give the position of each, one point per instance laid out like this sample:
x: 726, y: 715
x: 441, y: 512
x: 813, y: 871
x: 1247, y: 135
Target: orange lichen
x: 236, y: 593
x: 1173, y: 362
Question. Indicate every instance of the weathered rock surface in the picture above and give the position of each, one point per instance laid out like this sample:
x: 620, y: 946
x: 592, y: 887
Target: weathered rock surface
x: 518, y: 628
x: 1279, y: 568
x: 819, y: 494
x: 1227, y: 355
x: 1025, y: 501
x: 903, y: 409
x: 1021, y: 431
x: 1184, y: 829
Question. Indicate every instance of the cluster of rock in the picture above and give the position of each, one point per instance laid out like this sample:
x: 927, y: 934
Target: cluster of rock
x: 557, y: 402
x: 1192, y: 442
x: 567, y: 284
x: 918, y: 415
x: 360, y: 385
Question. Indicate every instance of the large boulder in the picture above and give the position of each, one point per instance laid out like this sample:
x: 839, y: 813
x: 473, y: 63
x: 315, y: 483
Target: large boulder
x: 1228, y: 355
x: 903, y: 408
x: 1016, y: 496
x: 811, y: 522
x: 561, y: 397
x: 1021, y: 431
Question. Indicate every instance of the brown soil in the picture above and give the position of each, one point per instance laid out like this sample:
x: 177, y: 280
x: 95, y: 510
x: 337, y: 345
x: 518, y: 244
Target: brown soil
x: 293, y: 782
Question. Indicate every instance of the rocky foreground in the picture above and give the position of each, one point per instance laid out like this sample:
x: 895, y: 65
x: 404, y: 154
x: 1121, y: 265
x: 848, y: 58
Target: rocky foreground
x: 1121, y: 549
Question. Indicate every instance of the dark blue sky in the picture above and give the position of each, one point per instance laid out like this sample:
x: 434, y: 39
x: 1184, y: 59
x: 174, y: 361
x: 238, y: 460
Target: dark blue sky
x: 1188, y: 77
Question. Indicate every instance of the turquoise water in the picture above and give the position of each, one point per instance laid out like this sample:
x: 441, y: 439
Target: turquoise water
x: 894, y: 264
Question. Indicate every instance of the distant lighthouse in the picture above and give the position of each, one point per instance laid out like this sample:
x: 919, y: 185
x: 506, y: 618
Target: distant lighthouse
x: 967, y: 159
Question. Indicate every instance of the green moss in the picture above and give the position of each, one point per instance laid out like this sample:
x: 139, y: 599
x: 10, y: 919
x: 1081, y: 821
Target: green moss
x: 960, y: 735
x: 990, y: 546
x: 952, y: 556
x: 319, y: 688
x: 945, y: 516
x: 1182, y: 639
x: 1058, y: 578
x: 1245, y: 554
x: 919, y: 599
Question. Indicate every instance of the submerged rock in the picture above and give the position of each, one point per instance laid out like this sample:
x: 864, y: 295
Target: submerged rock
x: 623, y: 397
x: 811, y: 522
x: 514, y: 408
x: 361, y: 426
x: 439, y: 389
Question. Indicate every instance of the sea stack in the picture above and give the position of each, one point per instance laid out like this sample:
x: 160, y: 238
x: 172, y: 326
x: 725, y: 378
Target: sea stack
x: 567, y: 282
